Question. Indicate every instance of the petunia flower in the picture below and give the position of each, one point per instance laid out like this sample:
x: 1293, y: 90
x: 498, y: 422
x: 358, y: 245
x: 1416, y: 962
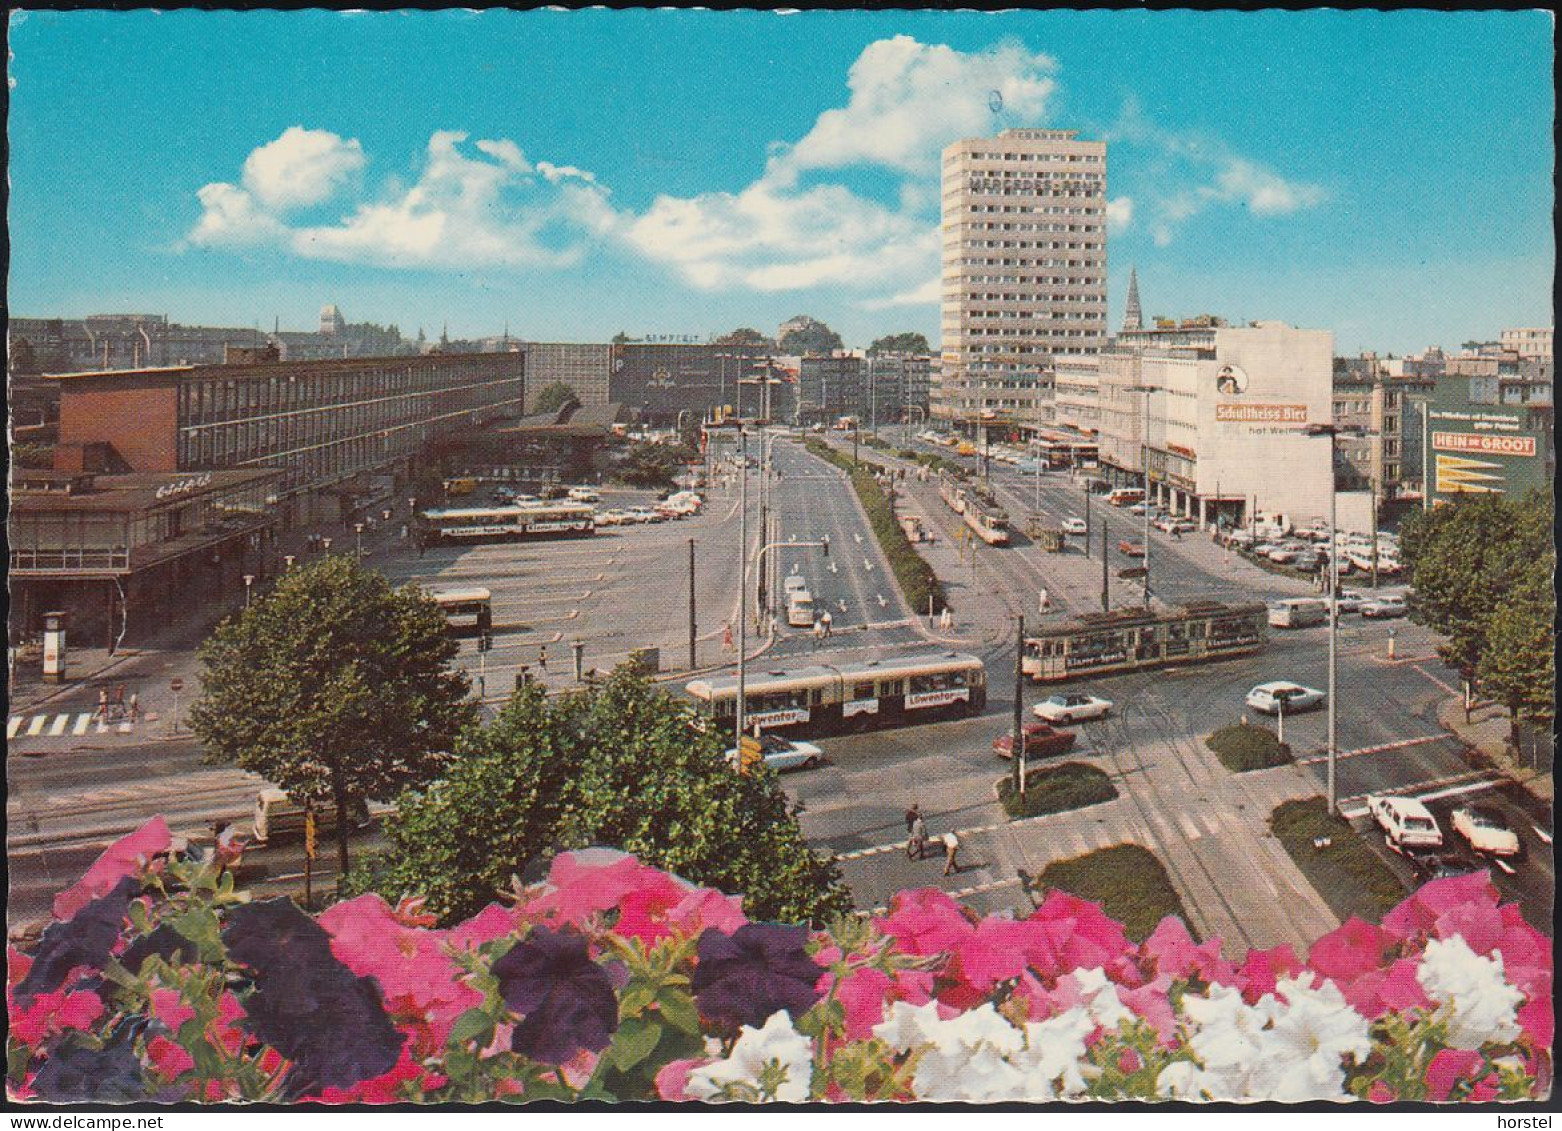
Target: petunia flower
x: 585, y: 883
x: 925, y: 921
x: 1308, y: 1040
x: 1395, y: 990
x: 126, y: 858
x: 1417, y: 915
x: 169, y: 1060
x: 85, y: 940
x: 1477, y: 1001
x: 1349, y: 950
x: 77, y: 1073
x: 745, y: 977
x: 567, y: 1000
x: 759, y: 1056
x: 169, y: 1008
x: 1448, y: 1068
x: 52, y: 1013
x: 492, y: 922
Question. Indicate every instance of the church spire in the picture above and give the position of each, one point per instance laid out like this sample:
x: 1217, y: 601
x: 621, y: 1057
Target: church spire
x: 1133, y: 318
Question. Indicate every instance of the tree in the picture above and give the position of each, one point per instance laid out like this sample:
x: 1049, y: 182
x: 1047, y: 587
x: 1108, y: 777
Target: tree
x: 908, y: 342
x: 813, y: 337
x: 619, y: 766
x: 654, y: 465
x: 551, y: 398
x: 1518, y: 664
x: 621, y: 338
x: 336, y: 687
x: 28, y: 454
x: 743, y: 336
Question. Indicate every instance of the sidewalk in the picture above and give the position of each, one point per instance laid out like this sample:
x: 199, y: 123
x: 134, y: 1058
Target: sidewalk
x: 1488, y: 732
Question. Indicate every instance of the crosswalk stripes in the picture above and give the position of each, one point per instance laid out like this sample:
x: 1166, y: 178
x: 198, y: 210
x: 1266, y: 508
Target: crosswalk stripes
x: 76, y: 723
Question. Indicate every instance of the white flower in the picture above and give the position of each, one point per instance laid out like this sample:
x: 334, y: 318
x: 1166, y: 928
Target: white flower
x: 1101, y: 998
x: 1309, y: 1038
x: 984, y: 1025
x: 908, y: 1026
x: 776, y: 1043
x: 981, y: 1074
x: 1054, y: 1049
x: 1477, y: 1001
x: 1183, y: 1080
x: 1229, y: 1032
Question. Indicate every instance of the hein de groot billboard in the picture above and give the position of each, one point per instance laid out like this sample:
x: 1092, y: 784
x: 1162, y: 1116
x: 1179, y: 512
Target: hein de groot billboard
x: 1484, y: 451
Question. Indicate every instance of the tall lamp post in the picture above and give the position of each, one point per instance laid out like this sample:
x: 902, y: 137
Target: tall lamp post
x: 1144, y: 456
x: 742, y: 575
x: 1331, y: 431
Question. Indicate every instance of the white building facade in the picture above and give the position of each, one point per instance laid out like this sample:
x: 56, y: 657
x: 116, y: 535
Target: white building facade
x: 1220, y: 414
x: 1024, y: 271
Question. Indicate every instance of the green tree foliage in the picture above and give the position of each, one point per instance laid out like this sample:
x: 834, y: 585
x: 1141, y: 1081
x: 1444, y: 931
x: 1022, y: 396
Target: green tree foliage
x: 743, y: 336
x: 908, y: 342
x: 814, y: 337
x: 617, y: 765
x: 621, y: 338
x: 1464, y: 558
x: 28, y: 454
x: 1518, y: 665
x: 653, y: 465
x: 336, y: 687
x: 551, y: 398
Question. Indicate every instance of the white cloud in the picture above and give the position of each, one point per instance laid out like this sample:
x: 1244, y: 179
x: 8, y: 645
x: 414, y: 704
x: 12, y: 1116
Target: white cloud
x: 300, y: 168
x: 930, y: 293
x: 909, y: 99
x: 1119, y: 214
x: 557, y: 173
x: 462, y: 211
x: 1195, y: 172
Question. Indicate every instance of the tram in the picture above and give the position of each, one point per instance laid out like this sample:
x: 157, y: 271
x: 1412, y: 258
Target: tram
x: 529, y: 520
x: 1131, y: 639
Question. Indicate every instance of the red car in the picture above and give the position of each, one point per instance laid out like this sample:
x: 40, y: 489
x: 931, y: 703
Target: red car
x: 1041, y: 741
x: 1130, y: 549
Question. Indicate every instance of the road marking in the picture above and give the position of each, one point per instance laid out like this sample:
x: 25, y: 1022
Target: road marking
x: 1542, y: 833
x: 60, y: 723
x: 1444, y: 684
x: 1466, y: 785
x: 82, y: 722
x: 1189, y: 827
x: 1401, y: 744
x: 14, y: 725
x: 37, y: 725
x: 867, y: 565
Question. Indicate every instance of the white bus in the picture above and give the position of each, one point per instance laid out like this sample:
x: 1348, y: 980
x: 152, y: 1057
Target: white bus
x: 530, y: 520
x: 1298, y: 612
x: 465, y: 608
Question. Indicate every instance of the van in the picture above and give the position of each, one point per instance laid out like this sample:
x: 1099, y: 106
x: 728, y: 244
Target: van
x: 800, y: 609
x: 794, y: 583
x: 278, y: 816
x: 1297, y: 612
x: 1125, y: 496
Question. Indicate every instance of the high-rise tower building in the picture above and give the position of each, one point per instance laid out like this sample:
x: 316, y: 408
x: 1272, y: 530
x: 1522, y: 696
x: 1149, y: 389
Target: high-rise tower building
x: 1024, y: 270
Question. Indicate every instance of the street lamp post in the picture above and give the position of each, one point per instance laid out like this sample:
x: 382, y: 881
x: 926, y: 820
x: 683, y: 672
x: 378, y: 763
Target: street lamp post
x: 1146, y: 390
x: 743, y: 574
x: 249, y: 583
x: 1331, y: 431
x: 358, y: 533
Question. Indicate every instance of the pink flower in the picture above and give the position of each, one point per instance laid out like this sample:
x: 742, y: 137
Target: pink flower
x: 224, y: 1030
x: 1381, y: 1093
x: 1538, y: 1020
x: 1000, y: 949
x: 386, y: 1088
x: 1262, y: 969
x: 1449, y: 1067
x: 127, y: 856
x: 1152, y: 1004
x: 1349, y: 951
x: 1394, y: 990
x: 1475, y: 924
x: 169, y: 1008
x: 1129, y: 1062
x: 492, y: 922
x: 866, y: 993
x: 663, y: 905
x: 585, y: 883
x: 1417, y: 914
x: 53, y: 1013
x: 673, y: 1078
x: 1091, y: 938
x: 1174, y: 952
x: 168, y: 1059
x: 926, y: 921
x: 420, y: 981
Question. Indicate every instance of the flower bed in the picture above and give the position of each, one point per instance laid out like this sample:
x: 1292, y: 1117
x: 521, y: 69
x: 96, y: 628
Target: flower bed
x: 612, y: 980
x: 1055, y: 789
x: 1243, y: 747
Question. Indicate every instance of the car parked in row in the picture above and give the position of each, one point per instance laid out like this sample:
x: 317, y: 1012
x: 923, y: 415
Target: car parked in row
x: 1485, y: 830
x: 1407, y: 824
x: 1385, y: 606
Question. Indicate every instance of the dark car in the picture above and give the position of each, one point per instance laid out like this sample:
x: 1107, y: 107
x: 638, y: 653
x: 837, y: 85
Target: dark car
x: 1429, y: 866
x: 1041, y: 741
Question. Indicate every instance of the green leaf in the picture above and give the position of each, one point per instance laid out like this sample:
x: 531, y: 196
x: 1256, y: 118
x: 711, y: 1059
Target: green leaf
x: 473, y: 1025
x: 635, y: 997
x: 678, y: 1009
x: 634, y: 1041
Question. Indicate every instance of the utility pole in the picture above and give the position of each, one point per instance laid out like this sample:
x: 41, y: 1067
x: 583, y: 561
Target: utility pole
x: 1106, y: 568
x: 1088, y: 493
x: 762, y: 597
x: 742, y: 576
x: 1018, y: 747
x: 692, y: 663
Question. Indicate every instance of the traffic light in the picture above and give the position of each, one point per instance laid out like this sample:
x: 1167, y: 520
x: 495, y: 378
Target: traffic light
x: 485, y: 641
x: 749, y: 753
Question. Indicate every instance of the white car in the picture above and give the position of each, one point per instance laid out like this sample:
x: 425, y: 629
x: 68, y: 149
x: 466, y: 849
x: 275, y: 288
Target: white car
x: 584, y: 495
x: 1349, y: 603
x: 612, y: 518
x: 1073, y: 525
x: 782, y: 754
x: 1406, y: 823
x: 1383, y: 607
x: 1267, y: 698
x: 1485, y: 830
x: 1069, y: 707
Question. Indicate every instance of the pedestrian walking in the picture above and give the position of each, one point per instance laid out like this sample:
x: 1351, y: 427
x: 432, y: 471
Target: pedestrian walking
x: 818, y: 632
x: 916, y: 847
x: 726, y: 637
x: 118, y: 706
x: 951, y: 848
x: 542, y: 658
x: 911, y: 816
x: 404, y: 532
x: 135, y: 706
x: 826, y: 621
x: 102, y: 711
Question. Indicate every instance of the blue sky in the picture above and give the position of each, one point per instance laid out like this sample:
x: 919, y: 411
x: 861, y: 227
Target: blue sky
x: 1387, y: 176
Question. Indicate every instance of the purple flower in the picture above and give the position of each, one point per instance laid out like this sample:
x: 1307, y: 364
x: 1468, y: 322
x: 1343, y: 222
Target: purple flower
x: 744, y: 977
x: 566, y: 1000
x: 306, y: 1004
x: 163, y: 942
x: 75, y: 1073
x: 85, y: 939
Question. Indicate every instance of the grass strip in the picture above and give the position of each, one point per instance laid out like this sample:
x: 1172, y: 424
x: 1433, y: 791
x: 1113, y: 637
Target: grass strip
x: 1128, y: 881
x: 1243, y: 747
x: 1056, y: 789
x: 1347, y: 873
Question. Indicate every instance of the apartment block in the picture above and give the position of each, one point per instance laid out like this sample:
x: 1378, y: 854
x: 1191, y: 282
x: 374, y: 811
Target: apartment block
x: 1024, y: 272
x: 583, y: 366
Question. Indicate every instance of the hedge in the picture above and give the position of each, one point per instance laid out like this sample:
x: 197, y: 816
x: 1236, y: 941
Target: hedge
x: 1055, y: 789
x: 1242, y: 747
x: 1128, y: 881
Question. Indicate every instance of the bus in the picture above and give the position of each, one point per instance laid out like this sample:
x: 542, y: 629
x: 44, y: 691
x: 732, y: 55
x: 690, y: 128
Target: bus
x: 1125, y: 497
x: 465, y: 608
x: 819, y: 698
x: 1131, y: 639
x: 528, y: 520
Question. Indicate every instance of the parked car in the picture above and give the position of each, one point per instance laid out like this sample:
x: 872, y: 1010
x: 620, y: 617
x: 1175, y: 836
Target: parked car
x: 1383, y: 607
x: 612, y: 518
x: 1429, y: 866
x: 1041, y: 741
x: 1349, y: 602
x: 585, y: 495
x: 1130, y: 549
x: 1072, y: 525
x: 1267, y: 698
x: 1071, y: 706
x: 1406, y: 823
x: 782, y: 754
x: 1485, y: 829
